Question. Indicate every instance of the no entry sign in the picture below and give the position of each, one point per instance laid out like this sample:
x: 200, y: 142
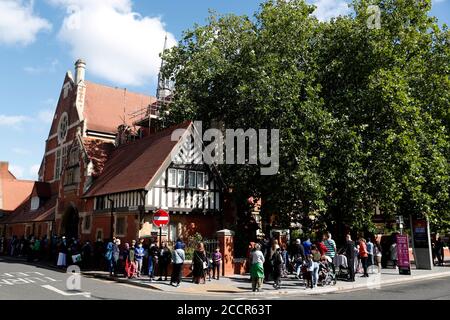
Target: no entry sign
x: 161, y: 218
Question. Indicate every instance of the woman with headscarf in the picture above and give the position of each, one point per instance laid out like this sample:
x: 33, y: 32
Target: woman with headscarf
x: 257, y: 268
x: 178, y: 258
x: 200, y: 264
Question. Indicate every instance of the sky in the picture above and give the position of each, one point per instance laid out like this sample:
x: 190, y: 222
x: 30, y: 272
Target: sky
x: 120, y: 41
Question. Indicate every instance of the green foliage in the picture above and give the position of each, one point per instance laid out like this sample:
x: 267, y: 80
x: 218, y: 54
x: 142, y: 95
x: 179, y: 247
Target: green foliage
x: 363, y: 113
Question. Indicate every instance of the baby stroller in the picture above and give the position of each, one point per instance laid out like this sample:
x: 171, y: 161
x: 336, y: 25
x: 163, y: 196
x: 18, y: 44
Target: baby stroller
x: 343, y: 272
x: 326, y: 276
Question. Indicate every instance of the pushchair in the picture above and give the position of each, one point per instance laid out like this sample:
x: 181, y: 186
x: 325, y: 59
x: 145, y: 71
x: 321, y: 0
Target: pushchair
x: 343, y: 271
x: 326, y: 275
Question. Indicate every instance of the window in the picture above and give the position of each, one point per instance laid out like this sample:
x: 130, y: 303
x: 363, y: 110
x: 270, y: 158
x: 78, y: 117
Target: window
x: 192, y: 179
x: 87, y: 223
x: 120, y: 226
x: 201, y: 180
x: 63, y: 127
x: 61, y: 154
x: 35, y: 201
x: 172, y: 178
x: 173, y: 232
x: 99, y: 234
x: 58, y: 164
x: 181, y: 178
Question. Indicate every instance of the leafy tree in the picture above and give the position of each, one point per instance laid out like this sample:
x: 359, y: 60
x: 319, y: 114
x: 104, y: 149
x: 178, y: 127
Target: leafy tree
x: 363, y: 113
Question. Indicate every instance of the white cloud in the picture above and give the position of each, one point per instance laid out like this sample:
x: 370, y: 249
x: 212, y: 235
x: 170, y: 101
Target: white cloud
x: 118, y: 45
x: 46, y: 116
x: 21, y: 151
x: 12, y: 121
x: 18, y: 23
x: 34, y: 171
x: 327, y: 9
x: 49, y: 68
x: 17, y: 171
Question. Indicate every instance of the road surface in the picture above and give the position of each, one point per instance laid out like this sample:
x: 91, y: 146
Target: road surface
x: 26, y: 282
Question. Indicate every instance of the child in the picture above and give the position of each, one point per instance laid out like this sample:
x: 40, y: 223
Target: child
x: 216, y: 262
x: 310, y: 270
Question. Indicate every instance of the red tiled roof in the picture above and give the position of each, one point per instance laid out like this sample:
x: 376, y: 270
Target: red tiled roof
x: 132, y: 166
x: 23, y: 214
x: 98, y: 152
x: 14, y: 192
x: 106, y: 108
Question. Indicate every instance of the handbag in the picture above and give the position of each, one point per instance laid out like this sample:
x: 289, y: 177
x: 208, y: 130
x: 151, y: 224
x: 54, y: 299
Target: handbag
x: 205, y: 265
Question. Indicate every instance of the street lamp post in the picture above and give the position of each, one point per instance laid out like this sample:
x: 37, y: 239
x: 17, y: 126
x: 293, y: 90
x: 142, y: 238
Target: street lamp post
x: 111, y: 235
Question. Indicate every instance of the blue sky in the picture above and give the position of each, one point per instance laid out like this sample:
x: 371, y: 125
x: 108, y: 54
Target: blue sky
x: 41, y: 39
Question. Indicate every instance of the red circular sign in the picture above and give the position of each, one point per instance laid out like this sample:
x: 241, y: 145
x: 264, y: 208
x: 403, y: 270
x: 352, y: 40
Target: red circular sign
x: 161, y: 218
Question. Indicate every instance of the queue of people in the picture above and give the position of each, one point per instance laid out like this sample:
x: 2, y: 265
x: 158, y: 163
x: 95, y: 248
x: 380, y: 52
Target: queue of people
x: 312, y: 261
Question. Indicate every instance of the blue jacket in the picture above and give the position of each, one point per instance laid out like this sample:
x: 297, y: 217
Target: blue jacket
x: 139, y: 253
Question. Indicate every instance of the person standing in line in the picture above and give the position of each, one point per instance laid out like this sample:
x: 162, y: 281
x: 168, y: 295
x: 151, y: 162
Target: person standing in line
x: 116, y: 256
x: 350, y: 254
x: 439, y: 247
x: 165, y: 257
x: 152, y: 261
x: 370, y: 260
x: 298, y: 255
x: 330, y: 244
x: 217, y: 261
x: 364, y: 255
x: 129, y: 257
x: 310, y: 270
x: 316, y: 256
x: 257, y: 268
x: 285, y: 267
x: 200, y: 264
x: 109, y: 258
x: 62, y: 253
x: 86, y: 255
x: 139, y: 258
x: 307, y: 246
x: 393, y: 252
x: 378, y: 255
x: 178, y: 258
x: 277, y: 267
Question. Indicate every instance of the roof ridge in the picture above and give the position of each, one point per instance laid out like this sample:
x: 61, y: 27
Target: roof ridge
x: 118, y: 88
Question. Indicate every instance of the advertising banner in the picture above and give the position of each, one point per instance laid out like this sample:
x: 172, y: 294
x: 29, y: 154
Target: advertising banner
x: 404, y: 266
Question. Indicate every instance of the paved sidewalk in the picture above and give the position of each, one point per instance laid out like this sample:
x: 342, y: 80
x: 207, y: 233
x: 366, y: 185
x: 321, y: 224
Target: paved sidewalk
x: 239, y: 284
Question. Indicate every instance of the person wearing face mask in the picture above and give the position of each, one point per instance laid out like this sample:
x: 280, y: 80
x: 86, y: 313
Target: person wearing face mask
x: 139, y: 258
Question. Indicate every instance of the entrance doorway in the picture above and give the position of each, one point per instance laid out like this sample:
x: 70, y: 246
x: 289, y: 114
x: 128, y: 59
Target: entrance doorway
x: 69, y: 223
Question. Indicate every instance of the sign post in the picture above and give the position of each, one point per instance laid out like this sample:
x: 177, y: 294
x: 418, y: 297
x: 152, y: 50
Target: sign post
x: 403, y: 255
x: 422, y: 243
x: 161, y: 218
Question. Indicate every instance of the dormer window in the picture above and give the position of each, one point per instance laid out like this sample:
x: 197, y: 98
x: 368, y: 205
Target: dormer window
x: 35, y: 202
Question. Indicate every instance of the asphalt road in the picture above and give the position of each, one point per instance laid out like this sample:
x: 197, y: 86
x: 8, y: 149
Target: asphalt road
x: 25, y: 282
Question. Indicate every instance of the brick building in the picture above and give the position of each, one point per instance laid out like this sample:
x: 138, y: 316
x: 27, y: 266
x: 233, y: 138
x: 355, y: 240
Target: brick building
x: 106, y: 170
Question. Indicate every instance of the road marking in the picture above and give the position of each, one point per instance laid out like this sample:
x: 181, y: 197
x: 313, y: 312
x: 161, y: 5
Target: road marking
x: 51, y: 288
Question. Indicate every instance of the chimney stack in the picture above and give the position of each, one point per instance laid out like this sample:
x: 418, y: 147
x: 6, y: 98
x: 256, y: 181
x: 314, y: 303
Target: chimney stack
x: 4, y: 169
x: 80, y: 71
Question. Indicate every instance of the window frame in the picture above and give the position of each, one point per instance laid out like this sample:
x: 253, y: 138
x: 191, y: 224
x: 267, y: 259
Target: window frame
x: 183, y: 173
x: 194, y: 185
x: 203, y: 185
x: 116, y: 229
x: 172, y: 174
